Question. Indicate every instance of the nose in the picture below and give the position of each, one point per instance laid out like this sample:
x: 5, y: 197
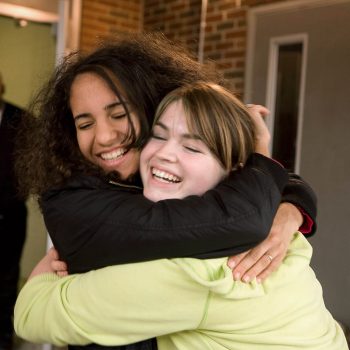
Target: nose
x: 168, y: 152
x: 106, y: 134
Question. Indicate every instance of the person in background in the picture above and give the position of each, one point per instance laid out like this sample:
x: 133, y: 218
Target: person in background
x: 13, y: 216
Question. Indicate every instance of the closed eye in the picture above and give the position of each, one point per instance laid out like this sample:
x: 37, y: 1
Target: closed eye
x: 84, y: 126
x: 157, y: 137
x: 118, y: 116
x: 83, y: 121
x: 192, y: 149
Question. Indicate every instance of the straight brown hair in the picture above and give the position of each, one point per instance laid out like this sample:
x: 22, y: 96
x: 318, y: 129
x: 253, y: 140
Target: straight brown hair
x: 220, y: 119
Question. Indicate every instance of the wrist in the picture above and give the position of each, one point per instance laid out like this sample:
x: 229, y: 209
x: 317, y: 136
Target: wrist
x: 263, y: 148
x: 295, y: 217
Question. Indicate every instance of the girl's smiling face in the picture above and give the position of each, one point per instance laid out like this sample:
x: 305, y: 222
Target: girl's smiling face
x: 176, y: 163
x: 102, y: 125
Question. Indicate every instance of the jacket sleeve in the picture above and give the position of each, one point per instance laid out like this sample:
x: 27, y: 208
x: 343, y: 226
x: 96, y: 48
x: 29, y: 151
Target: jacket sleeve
x: 299, y: 193
x: 94, y: 227
x: 112, y: 306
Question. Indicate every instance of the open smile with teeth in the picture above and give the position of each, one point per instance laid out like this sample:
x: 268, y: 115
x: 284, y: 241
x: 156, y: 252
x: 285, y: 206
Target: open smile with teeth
x: 165, y: 177
x: 113, y: 155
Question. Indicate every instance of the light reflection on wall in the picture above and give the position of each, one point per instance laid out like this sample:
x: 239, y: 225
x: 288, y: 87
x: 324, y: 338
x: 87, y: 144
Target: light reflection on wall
x: 27, y: 14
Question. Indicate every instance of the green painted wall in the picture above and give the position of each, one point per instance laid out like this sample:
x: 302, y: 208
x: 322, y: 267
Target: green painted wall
x: 27, y: 57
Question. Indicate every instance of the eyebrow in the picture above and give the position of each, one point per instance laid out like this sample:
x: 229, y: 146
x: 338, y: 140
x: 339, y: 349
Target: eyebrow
x: 185, y: 136
x: 107, y: 108
x: 114, y: 104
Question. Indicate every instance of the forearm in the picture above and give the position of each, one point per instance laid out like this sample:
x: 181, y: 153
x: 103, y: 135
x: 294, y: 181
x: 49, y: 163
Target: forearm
x: 236, y: 215
x: 112, y: 306
x: 37, y: 315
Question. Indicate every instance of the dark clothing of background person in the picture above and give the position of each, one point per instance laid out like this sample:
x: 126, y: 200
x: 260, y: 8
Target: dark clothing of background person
x: 13, y: 215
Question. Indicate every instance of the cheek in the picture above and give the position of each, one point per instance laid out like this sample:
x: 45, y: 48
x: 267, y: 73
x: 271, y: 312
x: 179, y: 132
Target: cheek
x: 144, y: 158
x: 147, y: 152
x: 131, y: 166
x: 135, y: 162
x: 204, y: 176
x: 123, y: 127
x: 195, y: 174
x: 136, y: 122
x: 82, y: 143
x: 217, y: 174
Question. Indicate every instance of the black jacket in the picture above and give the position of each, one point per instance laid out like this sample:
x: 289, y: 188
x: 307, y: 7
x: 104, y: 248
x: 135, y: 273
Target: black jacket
x: 94, y: 224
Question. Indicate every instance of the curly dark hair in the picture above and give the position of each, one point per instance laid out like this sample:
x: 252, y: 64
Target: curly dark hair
x: 146, y: 67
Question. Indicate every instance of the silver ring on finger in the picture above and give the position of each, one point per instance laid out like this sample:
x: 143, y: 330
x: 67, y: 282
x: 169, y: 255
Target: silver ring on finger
x: 270, y: 257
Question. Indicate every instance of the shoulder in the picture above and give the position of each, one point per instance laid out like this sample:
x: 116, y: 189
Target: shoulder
x: 12, y: 113
x: 92, y: 182
x: 85, y: 189
x: 12, y: 107
x: 76, y: 183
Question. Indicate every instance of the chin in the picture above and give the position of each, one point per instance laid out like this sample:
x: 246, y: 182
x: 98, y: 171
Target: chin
x: 155, y: 197
x: 117, y: 176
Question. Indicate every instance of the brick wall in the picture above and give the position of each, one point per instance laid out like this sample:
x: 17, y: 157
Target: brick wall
x: 179, y: 20
x: 225, y: 34
x: 101, y: 18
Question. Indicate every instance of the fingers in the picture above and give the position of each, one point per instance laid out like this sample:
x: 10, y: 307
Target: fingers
x: 253, y: 263
x: 235, y: 261
x: 262, y: 268
x: 277, y: 261
x: 258, y: 110
x: 258, y: 262
x: 266, y: 257
x: 53, y: 253
x: 62, y: 273
x: 59, y: 265
x: 262, y: 134
x: 60, y: 268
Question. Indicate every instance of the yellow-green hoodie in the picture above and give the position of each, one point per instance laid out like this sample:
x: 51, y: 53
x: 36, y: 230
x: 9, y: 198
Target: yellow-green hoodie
x: 188, y: 304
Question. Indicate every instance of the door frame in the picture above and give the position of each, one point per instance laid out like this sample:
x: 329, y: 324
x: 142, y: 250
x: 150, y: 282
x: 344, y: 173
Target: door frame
x: 68, y: 27
x: 271, y: 84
